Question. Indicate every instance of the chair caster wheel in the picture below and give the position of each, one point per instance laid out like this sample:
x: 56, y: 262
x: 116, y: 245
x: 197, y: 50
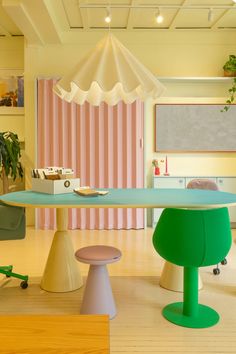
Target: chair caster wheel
x: 216, y: 271
x: 24, y: 284
x: 224, y: 262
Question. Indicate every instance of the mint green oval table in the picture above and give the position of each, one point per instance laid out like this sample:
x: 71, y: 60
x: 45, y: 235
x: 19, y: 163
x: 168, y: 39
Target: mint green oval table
x: 61, y: 273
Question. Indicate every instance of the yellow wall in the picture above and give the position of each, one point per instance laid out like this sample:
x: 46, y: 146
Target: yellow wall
x: 12, y: 62
x: 165, y: 53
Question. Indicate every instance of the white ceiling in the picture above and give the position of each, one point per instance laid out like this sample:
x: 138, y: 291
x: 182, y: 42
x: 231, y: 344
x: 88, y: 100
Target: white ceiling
x: 53, y: 21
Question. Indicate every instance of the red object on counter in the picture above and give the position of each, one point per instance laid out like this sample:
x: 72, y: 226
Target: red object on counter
x: 157, y: 171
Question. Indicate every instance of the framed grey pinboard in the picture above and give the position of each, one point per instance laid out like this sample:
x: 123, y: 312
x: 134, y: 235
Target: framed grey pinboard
x: 194, y: 128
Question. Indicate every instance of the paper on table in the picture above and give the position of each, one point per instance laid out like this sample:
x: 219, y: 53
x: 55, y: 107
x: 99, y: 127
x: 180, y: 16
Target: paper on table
x: 88, y: 192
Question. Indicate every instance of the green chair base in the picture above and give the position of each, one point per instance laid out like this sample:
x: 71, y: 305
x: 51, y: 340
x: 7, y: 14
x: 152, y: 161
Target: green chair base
x: 206, y: 317
x: 7, y: 270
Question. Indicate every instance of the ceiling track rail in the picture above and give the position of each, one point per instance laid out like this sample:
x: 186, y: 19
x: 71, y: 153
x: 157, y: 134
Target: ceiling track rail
x: 155, y: 6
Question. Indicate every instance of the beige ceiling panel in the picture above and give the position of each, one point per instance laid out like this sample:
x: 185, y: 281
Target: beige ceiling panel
x: 7, y: 26
x: 160, y: 2
x: 73, y: 14
x: 228, y: 20
x: 195, y: 18
x: 33, y: 19
x: 42, y: 20
x: 211, y: 2
x: 57, y: 12
x: 20, y: 15
x: 106, y: 2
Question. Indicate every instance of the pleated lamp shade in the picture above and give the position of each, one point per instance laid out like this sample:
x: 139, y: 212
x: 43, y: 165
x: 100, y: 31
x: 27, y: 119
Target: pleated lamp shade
x: 109, y: 73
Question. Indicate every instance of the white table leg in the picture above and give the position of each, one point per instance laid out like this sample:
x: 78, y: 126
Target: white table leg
x: 172, y: 277
x: 61, y: 273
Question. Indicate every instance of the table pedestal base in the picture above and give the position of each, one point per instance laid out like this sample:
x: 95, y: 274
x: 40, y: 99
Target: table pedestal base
x: 172, y: 278
x: 61, y: 273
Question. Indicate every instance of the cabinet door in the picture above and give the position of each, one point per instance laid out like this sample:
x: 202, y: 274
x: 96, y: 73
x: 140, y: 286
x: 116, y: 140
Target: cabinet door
x: 228, y: 184
x: 169, y: 182
x: 165, y: 182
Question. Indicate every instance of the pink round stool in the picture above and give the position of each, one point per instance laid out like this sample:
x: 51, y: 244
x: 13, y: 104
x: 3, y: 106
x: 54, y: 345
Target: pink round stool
x: 98, y: 297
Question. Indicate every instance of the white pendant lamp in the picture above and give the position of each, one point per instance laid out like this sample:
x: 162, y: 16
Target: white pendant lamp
x: 109, y: 73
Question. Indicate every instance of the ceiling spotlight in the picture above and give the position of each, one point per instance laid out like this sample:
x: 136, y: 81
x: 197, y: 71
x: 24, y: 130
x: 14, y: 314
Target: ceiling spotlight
x: 159, y: 17
x: 210, y: 15
x: 108, y: 16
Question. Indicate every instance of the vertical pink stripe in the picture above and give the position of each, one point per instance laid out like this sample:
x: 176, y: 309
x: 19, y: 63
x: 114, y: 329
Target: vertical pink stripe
x: 127, y: 152
x: 101, y: 145
x: 106, y: 150
x: 119, y: 162
x: 82, y: 158
x: 96, y: 162
x: 71, y: 161
x: 100, y: 221
x: 50, y: 124
x: 134, y: 155
x: 119, y: 127
x: 105, y: 159
x: 130, y: 138
x: 115, y: 159
x: 86, y: 153
x: 59, y: 132
x: 78, y: 155
x: 40, y: 130
x: 110, y: 163
x: 134, y: 130
x: 82, y: 138
x: 115, y: 136
x: 55, y: 127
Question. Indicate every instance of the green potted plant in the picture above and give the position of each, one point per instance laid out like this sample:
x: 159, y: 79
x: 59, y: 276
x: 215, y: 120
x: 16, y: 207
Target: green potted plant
x: 230, y: 71
x: 10, y: 153
x: 230, y: 66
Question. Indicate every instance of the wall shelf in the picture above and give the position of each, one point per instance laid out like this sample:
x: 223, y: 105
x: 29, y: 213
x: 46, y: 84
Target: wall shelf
x: 191, y: 79
x: 12, y: 111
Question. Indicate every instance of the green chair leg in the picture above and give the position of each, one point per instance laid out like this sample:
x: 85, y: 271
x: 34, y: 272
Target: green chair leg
x: 7, y: 270
x: 190, y: 313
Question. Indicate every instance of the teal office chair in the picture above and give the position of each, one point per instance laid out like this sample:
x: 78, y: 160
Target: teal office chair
x: 12, y: 227
x: 192, y: 239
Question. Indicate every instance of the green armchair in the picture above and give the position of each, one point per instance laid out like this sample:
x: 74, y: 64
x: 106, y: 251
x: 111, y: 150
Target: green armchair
x: 12, y: 227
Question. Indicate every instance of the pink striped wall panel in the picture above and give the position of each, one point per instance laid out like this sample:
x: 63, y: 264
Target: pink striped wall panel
x: 104, y: 147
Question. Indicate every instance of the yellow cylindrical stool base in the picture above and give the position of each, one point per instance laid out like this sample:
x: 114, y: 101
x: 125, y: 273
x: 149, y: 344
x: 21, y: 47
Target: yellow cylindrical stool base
x: 172, y: 278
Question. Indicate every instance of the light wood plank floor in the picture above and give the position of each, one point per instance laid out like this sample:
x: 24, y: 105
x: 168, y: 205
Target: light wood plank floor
x: 139, y: 326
